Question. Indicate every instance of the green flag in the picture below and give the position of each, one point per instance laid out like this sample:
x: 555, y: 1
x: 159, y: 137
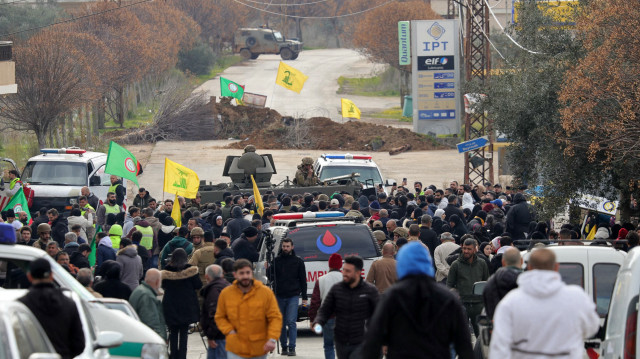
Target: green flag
x: 19, y: 204
x: 229, y: 88
x: 120, y: 162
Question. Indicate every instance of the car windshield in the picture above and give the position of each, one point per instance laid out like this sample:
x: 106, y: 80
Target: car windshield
x: 366, y: 173
x: 55, y: 173
x: 319, y: 242
x: 278, y: 36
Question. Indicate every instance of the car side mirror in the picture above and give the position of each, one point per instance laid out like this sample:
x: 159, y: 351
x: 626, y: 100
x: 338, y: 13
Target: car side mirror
x: 94, y: 181
x: 478, y: 287
x: 45, y: 356
x: 108, y: 340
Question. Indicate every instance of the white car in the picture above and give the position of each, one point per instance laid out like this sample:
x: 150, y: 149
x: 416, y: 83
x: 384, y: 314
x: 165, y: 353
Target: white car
x: 335, y: 165
x: 96, y: 342
x: 21, y: 335
x: 621, y: 336
x: 57, y: 175
x: 140, y: 340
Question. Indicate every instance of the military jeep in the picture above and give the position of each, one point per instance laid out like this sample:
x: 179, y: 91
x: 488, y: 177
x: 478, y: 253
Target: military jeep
x: 252, y: 42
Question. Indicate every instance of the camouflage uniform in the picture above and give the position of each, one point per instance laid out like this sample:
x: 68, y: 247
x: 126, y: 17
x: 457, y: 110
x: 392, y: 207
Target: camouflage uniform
x: 302, y: 175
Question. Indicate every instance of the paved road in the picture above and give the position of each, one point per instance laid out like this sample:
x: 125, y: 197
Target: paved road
x: 207, y: 158
x: 318, y: 97
x: 308, y: 345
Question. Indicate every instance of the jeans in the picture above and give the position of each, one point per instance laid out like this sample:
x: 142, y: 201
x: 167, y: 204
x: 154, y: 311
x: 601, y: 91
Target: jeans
x: 178, y: 341
x: 327, y: 334
x: 348, y: 351
x: 153, y: 261
x: 230, y: 355
x: 473, y: 310
x: 289, y: 310
x: 219, y: 351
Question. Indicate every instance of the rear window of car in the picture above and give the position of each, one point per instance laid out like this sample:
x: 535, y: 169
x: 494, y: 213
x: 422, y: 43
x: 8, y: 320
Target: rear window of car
x: 604, y: 279
x: 317, y: 243
x: 572, y: 273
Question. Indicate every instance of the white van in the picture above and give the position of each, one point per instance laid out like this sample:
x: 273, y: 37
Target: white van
x: 315, y: 236
x: 57, y: 175
x: 621, y: 337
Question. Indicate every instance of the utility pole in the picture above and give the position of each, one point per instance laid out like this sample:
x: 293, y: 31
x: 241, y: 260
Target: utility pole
x: 478, y: 164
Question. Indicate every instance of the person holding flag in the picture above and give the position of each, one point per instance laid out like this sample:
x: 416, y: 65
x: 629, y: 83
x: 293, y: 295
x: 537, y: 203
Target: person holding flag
x: 120, y: 162
x: 180, y: 181
x: 15, y: 184
x: 17, y: 204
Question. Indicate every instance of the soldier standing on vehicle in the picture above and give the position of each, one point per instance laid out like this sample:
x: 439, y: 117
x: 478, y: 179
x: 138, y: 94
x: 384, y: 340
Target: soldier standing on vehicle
x: 304, y: 175
x: 289, y: 274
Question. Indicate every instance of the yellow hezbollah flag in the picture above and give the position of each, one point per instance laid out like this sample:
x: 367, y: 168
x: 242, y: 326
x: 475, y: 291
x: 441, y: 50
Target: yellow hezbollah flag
x: 176, y: 214
x: 349, y: 109
x: 180, y: 180
x: 290, y: 78
x: 257, y: 198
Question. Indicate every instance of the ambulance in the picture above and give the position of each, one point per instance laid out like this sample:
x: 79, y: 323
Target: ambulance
x: 316, y: 236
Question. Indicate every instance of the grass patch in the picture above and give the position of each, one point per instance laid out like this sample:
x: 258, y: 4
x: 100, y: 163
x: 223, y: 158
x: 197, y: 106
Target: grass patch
x: 394, y: 113
x: 222, y: 64
x: 312, y: 48
x: 384, y: 83
x: 141, y: 116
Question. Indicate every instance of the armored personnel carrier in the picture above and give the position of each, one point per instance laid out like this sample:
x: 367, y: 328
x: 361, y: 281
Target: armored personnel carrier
x: 262, y: 167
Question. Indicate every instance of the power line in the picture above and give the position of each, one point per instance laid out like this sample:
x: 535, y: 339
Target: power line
x: 76, y: 18
x: 314, y: 17
x: 507, y: 34
x: 481, y: 29
x: 285, y: 4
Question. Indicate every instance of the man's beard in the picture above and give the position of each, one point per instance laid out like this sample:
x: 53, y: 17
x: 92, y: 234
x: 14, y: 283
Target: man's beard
x: 245, y: 283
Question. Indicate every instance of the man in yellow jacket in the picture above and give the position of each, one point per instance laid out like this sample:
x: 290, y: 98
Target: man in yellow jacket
x: 248, y: 315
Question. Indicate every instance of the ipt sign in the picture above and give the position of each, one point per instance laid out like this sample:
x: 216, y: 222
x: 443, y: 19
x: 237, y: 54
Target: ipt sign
x: 436, y: 76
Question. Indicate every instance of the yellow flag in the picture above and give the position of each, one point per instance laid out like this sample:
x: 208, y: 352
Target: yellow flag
x: 290, y: 78
x: 592, y: 233
x: 180, y: 180
x: 349, y: 109
x: 175, y: 212
x: 257, y: 197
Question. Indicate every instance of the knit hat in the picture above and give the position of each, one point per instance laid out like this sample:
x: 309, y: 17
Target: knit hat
x: 250, y: 231
x: 115, y: 230
x: 335, y: 261
x: 622, y: 233
x: 414, y: 258
x: 375, y: 205
x: 487, y: 207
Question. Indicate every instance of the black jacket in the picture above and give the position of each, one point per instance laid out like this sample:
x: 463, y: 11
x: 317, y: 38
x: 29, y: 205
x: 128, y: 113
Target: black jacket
x: 450, y: 210
x: 210, y: 293
x: 418, y: 316
x: 242, y: 248
x: 519, y: 217
x: 290, y: 276
x: 111, y: 286
x: 78, y: 260
x: 430, y: 239
x: 225, y: 253
x: 121, y: 192
x: 352, y: 307
x: 59, y: 318
x: 503, y: 281
x: 237, y: 224
x: 180, y: 303
x: 59, y: 228
x: 34, y: 225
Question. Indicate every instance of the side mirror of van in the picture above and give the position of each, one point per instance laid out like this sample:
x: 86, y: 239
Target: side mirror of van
x: 94, y: 181
x: 478, y: 287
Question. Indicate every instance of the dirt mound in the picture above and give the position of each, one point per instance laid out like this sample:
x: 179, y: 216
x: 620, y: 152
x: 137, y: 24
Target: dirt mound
x: 321, y: 133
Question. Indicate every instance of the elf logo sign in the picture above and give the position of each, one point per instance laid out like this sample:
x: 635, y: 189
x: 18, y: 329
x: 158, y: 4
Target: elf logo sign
x: 435, y: 63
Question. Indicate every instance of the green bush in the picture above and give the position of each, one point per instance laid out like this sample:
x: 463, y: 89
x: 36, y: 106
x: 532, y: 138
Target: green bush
x: 198, y: 61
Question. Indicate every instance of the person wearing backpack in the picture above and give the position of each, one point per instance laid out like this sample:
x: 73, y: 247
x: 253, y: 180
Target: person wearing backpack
x: 176, y: 242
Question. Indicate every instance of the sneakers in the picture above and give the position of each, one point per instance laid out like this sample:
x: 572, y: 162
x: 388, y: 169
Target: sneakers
x: 292, y: 353
x: 284, y: 352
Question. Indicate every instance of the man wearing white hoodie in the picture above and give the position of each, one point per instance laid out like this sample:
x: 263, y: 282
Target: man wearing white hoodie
x: 543, y: 317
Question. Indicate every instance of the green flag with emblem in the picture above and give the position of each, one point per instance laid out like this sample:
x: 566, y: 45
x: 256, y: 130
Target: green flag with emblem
x: 120, y: 162
x: 229, y: 88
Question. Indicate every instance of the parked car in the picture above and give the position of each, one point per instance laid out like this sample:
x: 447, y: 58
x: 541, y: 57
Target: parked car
x: 593, y: 268
x: 21, y: 334
x: 621, y: 336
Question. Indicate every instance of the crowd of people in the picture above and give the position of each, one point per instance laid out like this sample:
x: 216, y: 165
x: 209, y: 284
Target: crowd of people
x: 418, y: 298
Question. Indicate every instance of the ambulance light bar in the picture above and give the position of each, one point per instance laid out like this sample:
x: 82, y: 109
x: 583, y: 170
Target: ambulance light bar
x: 301, y: 215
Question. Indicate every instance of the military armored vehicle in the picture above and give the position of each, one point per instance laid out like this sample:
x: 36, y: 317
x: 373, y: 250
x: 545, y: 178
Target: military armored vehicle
x: 252, y: 42
x: 262, y: 167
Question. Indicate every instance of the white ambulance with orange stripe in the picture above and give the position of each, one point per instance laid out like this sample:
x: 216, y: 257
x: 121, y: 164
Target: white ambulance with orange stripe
x: 316, y: 236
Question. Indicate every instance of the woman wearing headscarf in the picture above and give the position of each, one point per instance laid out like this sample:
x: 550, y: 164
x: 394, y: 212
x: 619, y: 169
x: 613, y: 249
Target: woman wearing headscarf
x: 218, y: 224
x: 180, y: 280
